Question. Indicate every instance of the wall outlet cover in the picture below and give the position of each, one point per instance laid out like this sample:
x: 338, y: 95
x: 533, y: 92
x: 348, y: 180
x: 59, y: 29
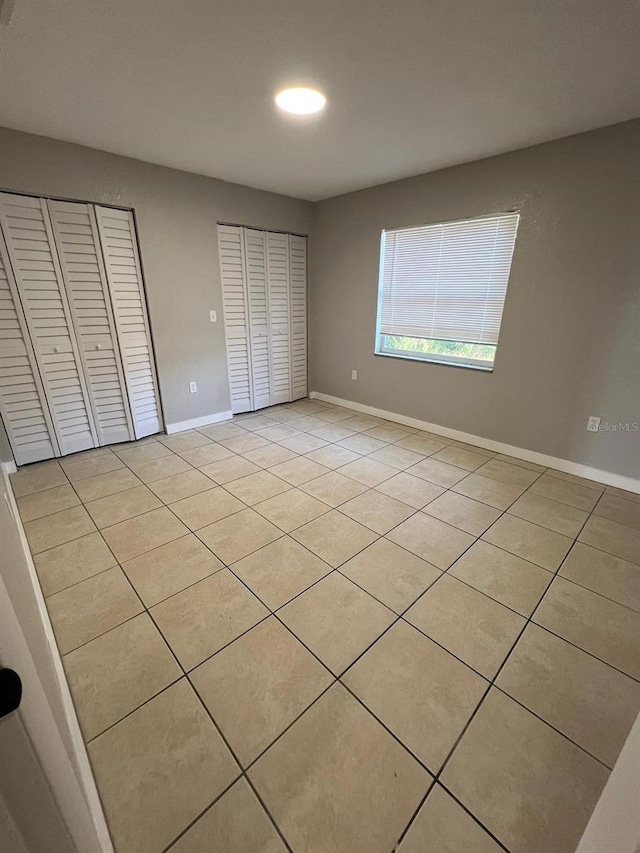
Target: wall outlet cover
x: 593, y: 424
x: 354, y: 374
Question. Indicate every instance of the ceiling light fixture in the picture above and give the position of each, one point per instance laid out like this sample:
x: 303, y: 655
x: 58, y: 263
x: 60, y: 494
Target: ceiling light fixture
x: 301, y: 101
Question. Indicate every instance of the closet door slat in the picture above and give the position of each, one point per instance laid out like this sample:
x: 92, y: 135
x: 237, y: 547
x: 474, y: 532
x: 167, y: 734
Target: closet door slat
x: 256, y: 278
x: 236, y: 316
x: 38, y: 276
x: 298, y: 276
x: 279, y: 316
x: 124, y: 278
x: 78, y: 244
x: 26, y: 419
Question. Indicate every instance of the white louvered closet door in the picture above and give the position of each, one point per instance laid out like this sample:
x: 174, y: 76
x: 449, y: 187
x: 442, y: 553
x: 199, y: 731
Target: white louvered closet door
x: 279, y: 316
x: 236, y: 316
x: 25, y: 416
x: 124, y: 278
x: 78, y: 243
x: 258, y: 298
x: 29, y: 239
x: 298, y: 294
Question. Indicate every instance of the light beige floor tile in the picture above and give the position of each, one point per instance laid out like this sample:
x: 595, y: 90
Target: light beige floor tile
x: 230, y: 469
x: 89, y: 608
x: 394, y: 576
x: 280, y: 571
x: 512, y: 475
x: 530, y: 541
x: 159, y: 768
x: 431, y: 539
x: 618, y: 509
x: 114, y: 674
x: 221, y: 431
x: 548, y: 513
x: 411, y: 490
x: 334, y: 537
x: 361, y: 423
x: 591, y: 703
x: 271, y: 454
x: 601, y: 572
x: 362, y: 443
x: 460, y: 457
x: 573, y: 494
x: 303, y: 443
x: 240, y: 534
x: 40, y: 504
x: 36, y: 478
x: 299, y: 470
x: 124, y: 445
x: 333, y: 456
x: 206, y: 454
x: 179, y: 486
x: 622, y: 493
x: 368, y: 471
x: 121, y: 506
x: 82, y: 468
x: 442, y: 826
x: 281, y: 432
x: 269, y: 679
x: 336, y: 780
x: 377, y: 511
x: 609, y: 536
x: 573, y: 478
x: 397, y: 457
x: 466, y: 514
x: 437, y: 472
x: 472, y: 626
x: 491, y: 492
x: 333, y: 488
x: 207, y: 507
x: 333, y: 415
x: 158, y: 469
x: 203, y: 618
x: 236, y: 823
x: 309, y: 423
x: 473, y: 448
x: 389, y: 433
x: 254, y: 422
x: 523, y: 463
x: 607, y: 630
x: 418, y: 690
x: 182, y: 441
x: 530, y: 786
x: 333, y: 432
x: 161, y: 573
x: 103, y: 485
x: 133, y: 537
x: 291, y: 509
x: 143, y: 453
x: 72, y: 562
x: 336, y: 620
x: 243, y: 443
x: 511, y: 580
x: 423, y: 444
x: 258, y: 487
x: 56, y: 529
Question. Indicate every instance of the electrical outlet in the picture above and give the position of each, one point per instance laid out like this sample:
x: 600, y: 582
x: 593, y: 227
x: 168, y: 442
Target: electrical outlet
x: 213, y: 316
x: 193, y: 387
x: 593, y: 424
x: 354, y: 374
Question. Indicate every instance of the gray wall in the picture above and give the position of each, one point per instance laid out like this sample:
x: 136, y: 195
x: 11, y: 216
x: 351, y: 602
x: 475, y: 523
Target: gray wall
x: 570, y: 340
x: 176, y: 213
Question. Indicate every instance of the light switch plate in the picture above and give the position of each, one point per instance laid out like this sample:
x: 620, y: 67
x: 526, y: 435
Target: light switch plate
x: 213, y: 316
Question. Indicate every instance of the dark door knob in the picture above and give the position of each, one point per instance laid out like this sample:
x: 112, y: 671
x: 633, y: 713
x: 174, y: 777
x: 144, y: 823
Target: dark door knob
x: 10, y: 691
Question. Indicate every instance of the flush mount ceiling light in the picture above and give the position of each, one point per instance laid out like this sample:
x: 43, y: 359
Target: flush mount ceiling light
x: 300, y: 101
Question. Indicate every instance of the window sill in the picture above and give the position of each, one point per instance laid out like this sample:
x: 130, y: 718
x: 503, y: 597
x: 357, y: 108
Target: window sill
x: 435, y: 360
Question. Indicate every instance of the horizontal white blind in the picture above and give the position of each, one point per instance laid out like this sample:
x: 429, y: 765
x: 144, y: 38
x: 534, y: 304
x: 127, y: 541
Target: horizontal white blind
x: 447, y: 281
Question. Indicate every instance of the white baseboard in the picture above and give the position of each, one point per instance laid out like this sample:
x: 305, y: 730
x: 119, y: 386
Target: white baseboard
x: 607, y: 477
x: 9, y: 467
x: 194, y: 423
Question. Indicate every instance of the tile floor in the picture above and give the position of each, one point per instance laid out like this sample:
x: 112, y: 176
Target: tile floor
x: 311, y: 630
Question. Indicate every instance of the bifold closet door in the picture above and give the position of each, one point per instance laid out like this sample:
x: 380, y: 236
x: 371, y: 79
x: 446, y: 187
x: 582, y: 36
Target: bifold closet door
x: 26, y: 419
x: 279, y: 317
x: 36, y: 268
x: 78, y: 244
x: 255, y: 250
x: 124, y: 278
x: 298, y: 296
x: 236, y: 316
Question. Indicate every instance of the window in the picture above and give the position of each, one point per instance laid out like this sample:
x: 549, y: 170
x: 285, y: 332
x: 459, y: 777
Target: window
x: 442, y: 288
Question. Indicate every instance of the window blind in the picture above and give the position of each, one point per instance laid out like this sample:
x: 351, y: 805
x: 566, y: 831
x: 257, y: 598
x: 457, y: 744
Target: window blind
x: 447, y: 281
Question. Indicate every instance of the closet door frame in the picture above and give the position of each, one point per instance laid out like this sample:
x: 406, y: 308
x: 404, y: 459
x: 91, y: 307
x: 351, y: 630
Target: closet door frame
x: 33, y: 363
x: 109, y: 308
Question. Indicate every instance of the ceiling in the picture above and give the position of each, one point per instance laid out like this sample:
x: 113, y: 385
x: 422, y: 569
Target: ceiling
x: 412, y: 85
